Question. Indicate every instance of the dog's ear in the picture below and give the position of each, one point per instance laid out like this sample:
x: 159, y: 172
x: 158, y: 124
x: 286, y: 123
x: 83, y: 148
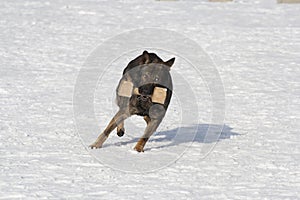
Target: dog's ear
x: 170, y: 62
x: 145, y: 58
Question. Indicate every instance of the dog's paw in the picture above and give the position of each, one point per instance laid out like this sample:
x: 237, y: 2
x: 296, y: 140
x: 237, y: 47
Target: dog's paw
x: 121, y: 132
x: 139, y: 148
x: 98, y: 143
x: 95, y: 146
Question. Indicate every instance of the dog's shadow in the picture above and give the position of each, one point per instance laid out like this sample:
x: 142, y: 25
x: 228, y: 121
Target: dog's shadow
x: 201, y: 133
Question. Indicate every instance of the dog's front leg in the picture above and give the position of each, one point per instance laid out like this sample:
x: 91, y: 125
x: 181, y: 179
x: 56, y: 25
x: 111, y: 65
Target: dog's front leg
x: 150, y: 129
x: 116, y: 120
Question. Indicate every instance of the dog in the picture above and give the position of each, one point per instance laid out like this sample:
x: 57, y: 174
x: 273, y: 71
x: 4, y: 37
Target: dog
x: 145, y: 89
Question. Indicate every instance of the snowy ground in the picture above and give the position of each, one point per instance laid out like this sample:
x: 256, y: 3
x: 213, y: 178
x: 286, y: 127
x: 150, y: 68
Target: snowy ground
x: 256, y: 48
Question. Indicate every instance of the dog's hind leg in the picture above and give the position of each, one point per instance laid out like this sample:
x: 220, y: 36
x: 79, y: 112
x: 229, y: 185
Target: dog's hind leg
x: 116, y: 120
x: 120, y: 129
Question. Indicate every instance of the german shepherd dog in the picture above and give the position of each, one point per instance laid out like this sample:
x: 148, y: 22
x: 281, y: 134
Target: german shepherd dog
x: 145, y: 90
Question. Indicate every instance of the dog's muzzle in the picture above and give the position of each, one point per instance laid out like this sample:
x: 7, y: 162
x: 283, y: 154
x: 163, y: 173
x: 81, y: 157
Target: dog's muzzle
x: 144, y: 98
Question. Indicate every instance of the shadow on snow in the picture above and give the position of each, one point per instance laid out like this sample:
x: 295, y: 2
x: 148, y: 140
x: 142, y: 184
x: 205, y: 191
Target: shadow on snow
x: 201, y: 133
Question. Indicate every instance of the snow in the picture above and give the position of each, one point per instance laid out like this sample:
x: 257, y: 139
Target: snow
x: 255, y: 47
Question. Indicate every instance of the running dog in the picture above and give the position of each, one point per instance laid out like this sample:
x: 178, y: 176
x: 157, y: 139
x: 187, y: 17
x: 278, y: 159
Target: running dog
x: 145, y: 89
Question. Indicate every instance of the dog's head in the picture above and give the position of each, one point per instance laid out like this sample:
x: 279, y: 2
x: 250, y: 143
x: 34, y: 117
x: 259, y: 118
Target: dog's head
x: 153, y: 75
x: 146, y: 80
x: 151, y: 72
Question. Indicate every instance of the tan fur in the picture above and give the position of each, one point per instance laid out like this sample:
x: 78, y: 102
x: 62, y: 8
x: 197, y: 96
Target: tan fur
x: 139, y: 147
x: 147, y: 119
x: 116, y: 121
